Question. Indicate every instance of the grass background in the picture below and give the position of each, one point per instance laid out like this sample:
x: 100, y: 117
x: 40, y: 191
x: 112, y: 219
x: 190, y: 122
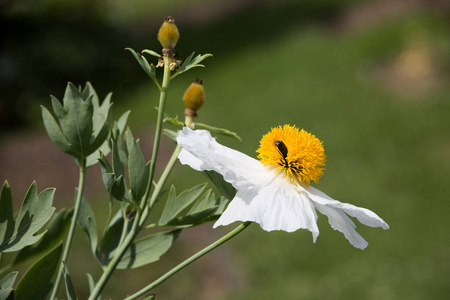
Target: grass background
x: 377, y: 94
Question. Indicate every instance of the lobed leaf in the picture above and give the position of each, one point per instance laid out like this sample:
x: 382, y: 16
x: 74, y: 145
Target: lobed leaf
x: 81, y: 126
x: 148, y: 68
x: 35, y: 212
x: 56, y: 230
x: 203, y: 210
x: 176, y: 204
x: 191, y: 62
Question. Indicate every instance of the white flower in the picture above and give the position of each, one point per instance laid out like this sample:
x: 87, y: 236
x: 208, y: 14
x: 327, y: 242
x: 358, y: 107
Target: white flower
x: 275, y: 191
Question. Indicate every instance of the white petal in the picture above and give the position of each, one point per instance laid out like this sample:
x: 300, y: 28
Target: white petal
x: 186, y: 158
x: 365, y: 216
x: 240, y: 170
x: 341, y: 222
x: 273, y: 208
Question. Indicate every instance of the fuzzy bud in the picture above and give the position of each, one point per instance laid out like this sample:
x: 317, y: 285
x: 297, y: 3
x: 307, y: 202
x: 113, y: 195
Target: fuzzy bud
x: 168, y: 34
x: 194, y: 97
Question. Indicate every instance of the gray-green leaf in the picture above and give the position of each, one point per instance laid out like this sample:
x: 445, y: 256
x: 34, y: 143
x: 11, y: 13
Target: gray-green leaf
x: 224, y: 187
x: 36, y: 283
x: 148, y: 249
x: 176, y: 204
x: 6, y: 285
x: 148, y: 68
x: 56, y: 230
x: 138, y: 172
x: 220, y: 131
x: 70, y: 290
x: 35, y: 212
x: 86, y: 220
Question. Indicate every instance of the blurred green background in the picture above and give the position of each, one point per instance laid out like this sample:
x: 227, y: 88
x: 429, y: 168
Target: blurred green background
x: 369, y: 78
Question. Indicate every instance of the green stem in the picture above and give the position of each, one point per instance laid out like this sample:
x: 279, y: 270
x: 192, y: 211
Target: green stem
x: 160, y: 184
x: 161, y: 108
x: 115, y: 261
x: 189, y: 261
x: 140, y: 219
x: 69, y: 239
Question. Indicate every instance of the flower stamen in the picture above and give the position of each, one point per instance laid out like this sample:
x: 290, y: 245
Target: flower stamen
x: 297, y: 153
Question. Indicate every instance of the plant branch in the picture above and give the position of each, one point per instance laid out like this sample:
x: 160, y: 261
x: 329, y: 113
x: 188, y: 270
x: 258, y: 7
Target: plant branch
x: 76, y: 211
x: 189, y: 261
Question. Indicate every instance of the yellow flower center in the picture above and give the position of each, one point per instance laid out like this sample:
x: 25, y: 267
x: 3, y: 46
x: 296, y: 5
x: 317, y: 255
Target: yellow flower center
x: 296, y: 152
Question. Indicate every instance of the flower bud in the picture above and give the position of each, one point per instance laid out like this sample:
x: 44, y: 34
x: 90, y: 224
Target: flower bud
x: 193, y: 98
x: 168, y: 34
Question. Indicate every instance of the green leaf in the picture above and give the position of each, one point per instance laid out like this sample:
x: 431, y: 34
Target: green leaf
x: 88, y: 91
x: 221, y: 204
x: 200, y: 212
x: 81, y: 125
x: 6, y: 214
x: 6, y: 285
x: 91, y: 282
x: 115, y: 186
x: 220, y: 131
x: 77, y: 123
x: 56, y: 230
x: 176, y: 204
x: 148, y: 249
x: 86, y: 220
x: 128, y: 142
x: 36, y: 284
x: 70, y: 290
x: 191, y: 62
x: 138, y: 172
x: 224, y: 187
x: 35, y: 212
x: 171, y: 134
x: 151, y: 52
x: 150, y: 297
x: 172, y: 120
x: 111, y: 238
x: 148, y: 68
x: 55, y: 133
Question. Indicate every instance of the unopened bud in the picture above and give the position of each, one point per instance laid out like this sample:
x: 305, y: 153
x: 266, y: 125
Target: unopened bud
x: 168, y: 34
x: 194, y: 97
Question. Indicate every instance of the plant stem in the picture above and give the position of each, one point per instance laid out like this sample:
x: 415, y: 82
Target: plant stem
x: 159, y: 121
x: 189, y: 261
x: 76, y: 211
x: 140, y: 218
x: 160, y: 184
x: 115, y: 261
